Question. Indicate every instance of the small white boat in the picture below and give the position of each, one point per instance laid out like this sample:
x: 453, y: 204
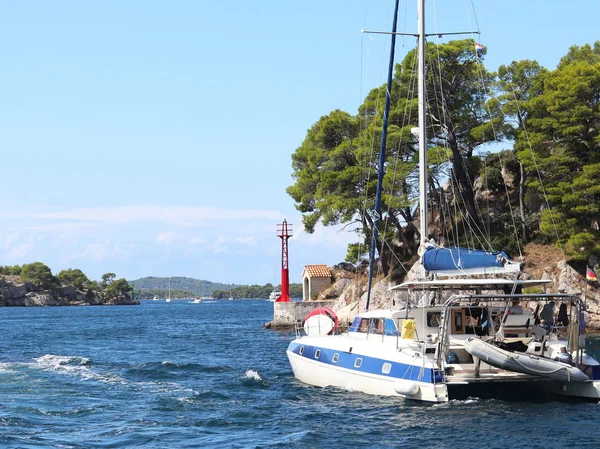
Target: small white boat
x: 274, y: 295
x: 521, y: 362
x: 196, y: 301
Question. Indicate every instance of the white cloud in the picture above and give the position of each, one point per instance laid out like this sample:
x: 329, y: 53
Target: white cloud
x: 332, y: 237
x: 106, y: 251
x: 225, y: 244
x: 174, y: 215
x: 165, y: 238
x: 18, y: 245
x: 196, y: 241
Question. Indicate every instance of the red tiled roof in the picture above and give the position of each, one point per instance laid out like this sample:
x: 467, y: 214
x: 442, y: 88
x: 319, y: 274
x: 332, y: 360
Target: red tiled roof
x: 317, y: 271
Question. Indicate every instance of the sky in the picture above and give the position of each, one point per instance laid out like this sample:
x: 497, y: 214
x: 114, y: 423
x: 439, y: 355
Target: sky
x: 154, y: 138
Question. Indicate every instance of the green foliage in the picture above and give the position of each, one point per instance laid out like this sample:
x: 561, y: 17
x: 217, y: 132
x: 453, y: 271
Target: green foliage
x: 7, y: 270
x: 563, y: 145
x: 582, y: 244
x: 119, y: 287
x: 356, y: 252
x: 73, y: 277
x: 335, y: 168
x: 107, y: 278
x: 181, y: 287
x: 255, y: 291
x: 39, y: 274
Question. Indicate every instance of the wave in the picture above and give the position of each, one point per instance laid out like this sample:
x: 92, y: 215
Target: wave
x: 73, y: 365
x: 169, y: 368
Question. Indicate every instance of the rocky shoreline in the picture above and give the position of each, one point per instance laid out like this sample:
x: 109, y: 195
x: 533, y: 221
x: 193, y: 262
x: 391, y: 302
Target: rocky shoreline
x: 26, y: 294
x: 349, y: 287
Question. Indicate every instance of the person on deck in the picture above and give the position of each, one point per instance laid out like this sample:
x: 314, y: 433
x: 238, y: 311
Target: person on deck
x: 516, y: 308
x: 547, y: 314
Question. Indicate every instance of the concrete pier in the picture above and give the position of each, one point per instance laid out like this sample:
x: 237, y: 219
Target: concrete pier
x: 286, y: 314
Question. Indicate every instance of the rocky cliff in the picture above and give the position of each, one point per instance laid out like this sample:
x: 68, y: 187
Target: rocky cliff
x: 16, y: 294
x: 541, y: 262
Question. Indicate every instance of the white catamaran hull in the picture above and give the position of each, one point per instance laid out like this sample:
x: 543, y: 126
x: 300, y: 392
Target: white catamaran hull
x: 373, y: 374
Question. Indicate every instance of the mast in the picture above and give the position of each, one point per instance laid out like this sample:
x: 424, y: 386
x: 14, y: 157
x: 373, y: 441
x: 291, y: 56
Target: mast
x: 386, y: 112
x: 422, y: 124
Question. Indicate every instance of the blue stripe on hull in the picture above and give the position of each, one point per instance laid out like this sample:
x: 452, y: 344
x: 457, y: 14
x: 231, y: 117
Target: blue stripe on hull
x: 370, y: 365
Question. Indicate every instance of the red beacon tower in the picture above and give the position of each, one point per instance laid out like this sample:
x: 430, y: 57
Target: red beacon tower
x: 284, y: 232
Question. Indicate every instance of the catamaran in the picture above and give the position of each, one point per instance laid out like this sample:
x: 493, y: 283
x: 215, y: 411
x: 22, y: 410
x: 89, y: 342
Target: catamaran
x: 463, y: 336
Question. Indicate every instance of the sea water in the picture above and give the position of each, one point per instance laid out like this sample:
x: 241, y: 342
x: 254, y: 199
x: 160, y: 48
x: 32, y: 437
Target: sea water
x: 183, y: 375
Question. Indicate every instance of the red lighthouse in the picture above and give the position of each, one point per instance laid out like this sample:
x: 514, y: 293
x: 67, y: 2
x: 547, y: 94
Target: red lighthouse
x: 284, y: 232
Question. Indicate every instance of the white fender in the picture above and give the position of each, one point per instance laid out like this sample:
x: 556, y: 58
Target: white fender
x: 406, y: 387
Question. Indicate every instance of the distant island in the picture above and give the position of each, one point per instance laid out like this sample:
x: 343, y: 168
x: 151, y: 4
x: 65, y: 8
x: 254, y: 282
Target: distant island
x: 34, y: 285
x: 185, y: 287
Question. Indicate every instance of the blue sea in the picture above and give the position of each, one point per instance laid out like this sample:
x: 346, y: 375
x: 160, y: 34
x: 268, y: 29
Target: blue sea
x: 182, y: 375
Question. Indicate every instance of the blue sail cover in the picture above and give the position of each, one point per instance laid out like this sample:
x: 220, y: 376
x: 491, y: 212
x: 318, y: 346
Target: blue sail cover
x: 457, y: 261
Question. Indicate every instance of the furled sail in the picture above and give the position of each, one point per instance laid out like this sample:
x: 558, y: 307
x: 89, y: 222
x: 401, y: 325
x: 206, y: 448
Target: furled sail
x: 460, y: 261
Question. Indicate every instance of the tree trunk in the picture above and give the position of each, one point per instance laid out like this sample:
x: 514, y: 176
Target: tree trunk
x: 462, y: 177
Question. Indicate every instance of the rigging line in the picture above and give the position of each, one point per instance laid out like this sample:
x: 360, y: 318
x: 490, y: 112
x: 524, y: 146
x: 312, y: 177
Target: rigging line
x: 475, y: 15
x: 538, y: 173
x: 487, y: 197
x: 487, y: 200
x: 443, y: 116
x: 382, y: 155
x: 405, y: 117
x: 470, y: 220
x: 495, y: 136
x: 396, y: 256
x: 393, y: 182
x: 444, y: 204
x: 558, y: 240
x: 366, y: 174
x: 445, y: 143
x: 462, y: 162
x: 370, y: 162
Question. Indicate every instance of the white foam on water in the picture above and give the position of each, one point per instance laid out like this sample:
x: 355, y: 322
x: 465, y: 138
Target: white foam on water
x: 74, y: 365
x: 252, y: 374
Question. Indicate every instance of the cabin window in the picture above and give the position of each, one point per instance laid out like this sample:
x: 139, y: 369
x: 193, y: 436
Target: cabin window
x: 390, y: 327
x: 355, y: 324
x: 317, y: 353
x: 387, y: 367
x: 458, y: 321
x: 301, y: 350
x: 434, y: 319
x: 364, y: 325
x: 336, y: 357
x: 377, y: 326
x: 357, y: 362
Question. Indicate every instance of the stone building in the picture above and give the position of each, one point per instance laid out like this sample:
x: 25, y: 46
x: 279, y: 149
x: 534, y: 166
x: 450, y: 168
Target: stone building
x: 315, y: 279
